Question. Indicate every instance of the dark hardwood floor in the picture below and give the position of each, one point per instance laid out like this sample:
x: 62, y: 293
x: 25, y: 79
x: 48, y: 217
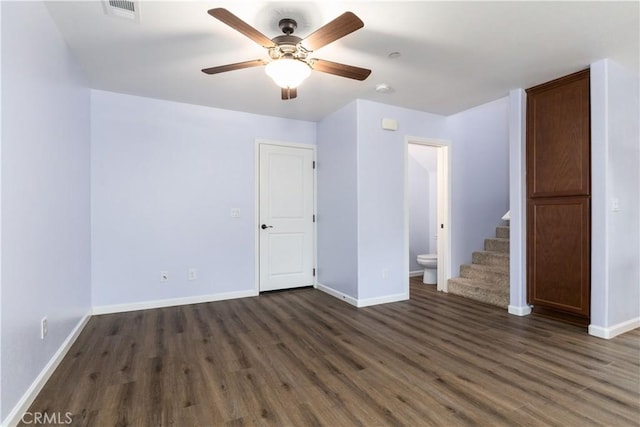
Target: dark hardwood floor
x: 303, y: 358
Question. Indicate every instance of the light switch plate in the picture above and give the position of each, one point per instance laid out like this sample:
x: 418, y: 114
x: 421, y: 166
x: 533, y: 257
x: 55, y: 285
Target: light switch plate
x: 615, y: 204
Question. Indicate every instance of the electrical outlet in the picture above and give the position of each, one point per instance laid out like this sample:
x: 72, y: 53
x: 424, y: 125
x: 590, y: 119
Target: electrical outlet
x: 44, y: 328
x: 164, y: 276
x: 193, y: 274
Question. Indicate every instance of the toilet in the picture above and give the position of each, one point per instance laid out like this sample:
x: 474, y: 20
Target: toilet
x: 430, y: 264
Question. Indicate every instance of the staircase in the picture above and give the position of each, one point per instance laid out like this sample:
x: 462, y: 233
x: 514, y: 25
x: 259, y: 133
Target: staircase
x: 486, y: 279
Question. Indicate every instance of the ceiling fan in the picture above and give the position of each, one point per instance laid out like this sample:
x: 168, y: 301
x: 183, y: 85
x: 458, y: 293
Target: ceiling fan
x: 290, y: 63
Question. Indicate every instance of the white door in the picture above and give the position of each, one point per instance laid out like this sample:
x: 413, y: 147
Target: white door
x: 444, y: 230
x: 286, y: 217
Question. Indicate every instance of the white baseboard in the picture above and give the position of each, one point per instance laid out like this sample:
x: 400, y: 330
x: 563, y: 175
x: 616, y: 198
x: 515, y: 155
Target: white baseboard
x: 615, y: 330
x: 383, y: 300
x: 516, y: 310
x: 145, y: 305
x: 29, y: 396
x: 362, y: 302
x: 416, y: 273
x: 337, y: 294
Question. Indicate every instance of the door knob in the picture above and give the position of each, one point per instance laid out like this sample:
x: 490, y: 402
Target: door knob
x: 265, y: 226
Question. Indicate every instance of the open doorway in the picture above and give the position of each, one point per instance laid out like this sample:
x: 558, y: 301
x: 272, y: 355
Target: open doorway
x: 427, y: 207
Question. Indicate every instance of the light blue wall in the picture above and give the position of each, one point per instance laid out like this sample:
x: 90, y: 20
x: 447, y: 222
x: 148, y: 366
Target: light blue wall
x: 337, y: 201
x: 165, y: 177
x: 615, y: 244
x: 45, y: 177
x: 479, y: 150
x: 1, y: 406
x: 517, y: 203
x: 381, y: 195
x: 624, y: 176
x: 480, y: 177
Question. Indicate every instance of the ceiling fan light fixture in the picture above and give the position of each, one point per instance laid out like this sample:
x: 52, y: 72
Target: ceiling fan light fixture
x: 289, y: 65
x: 288, y: 72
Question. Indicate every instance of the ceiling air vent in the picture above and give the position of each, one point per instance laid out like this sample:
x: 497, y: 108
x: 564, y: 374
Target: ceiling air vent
x: 122, y: 9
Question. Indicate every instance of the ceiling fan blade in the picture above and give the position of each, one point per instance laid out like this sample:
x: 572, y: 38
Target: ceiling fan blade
x: 339, y: 27
x: 239, y: 25
x: 288, y: 93
x: 231, y: 67
x: 341, y: 70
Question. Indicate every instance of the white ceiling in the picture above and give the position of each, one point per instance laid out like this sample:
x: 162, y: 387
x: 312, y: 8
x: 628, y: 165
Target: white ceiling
x: 454, y: 55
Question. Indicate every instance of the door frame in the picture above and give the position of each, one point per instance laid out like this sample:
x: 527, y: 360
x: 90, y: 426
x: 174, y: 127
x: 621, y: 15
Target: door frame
x: 444, y: 206
x: 256, y: 212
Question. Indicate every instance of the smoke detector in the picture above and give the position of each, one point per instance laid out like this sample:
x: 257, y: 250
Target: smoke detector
x: 127, y: 9
x: 383, y: 88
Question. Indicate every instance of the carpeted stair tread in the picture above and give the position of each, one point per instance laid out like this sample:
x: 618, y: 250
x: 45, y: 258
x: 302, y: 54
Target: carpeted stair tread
x: 496, y: 244
x: 479, y: 291
x: 491, y: 258
x: 502, y: 232
x: 486, y: 273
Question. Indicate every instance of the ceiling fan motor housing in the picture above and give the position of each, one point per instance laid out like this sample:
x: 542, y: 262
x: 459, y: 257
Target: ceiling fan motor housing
x: 288, y: 26
x: 287, y: 45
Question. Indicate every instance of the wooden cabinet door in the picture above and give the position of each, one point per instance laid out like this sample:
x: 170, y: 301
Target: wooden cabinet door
x: 559, y: 197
